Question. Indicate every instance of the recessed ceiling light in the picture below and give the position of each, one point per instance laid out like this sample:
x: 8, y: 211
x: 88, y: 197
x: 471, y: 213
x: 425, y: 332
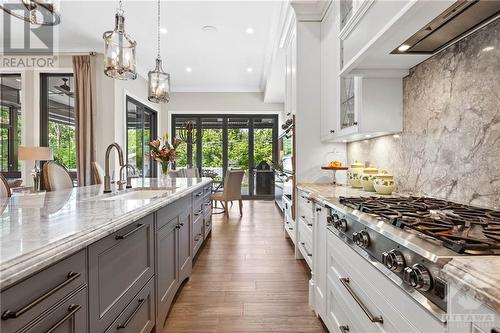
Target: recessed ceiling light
x: 249, y: 69
x: 249, y: 30
x: 163, y: 30
x: 403, y: 47
x: 209, y: 28
x: 488, y: 48
x: 18, y: 80
x: 344, y: 141
x: 189, y: 69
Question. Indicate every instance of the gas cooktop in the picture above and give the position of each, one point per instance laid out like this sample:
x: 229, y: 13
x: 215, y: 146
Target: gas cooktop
x: 463, y: 229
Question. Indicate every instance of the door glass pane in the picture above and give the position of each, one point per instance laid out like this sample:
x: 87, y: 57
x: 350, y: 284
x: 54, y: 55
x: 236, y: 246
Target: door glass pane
x: 186, y: 130
x: 134, y: 137
x: 61, y: 119
x: 10, y: 123
x: 347, y: 115
x: 263, y: 156
x: 211, y: 147
x: 147, y: 165
x: 237, y: 139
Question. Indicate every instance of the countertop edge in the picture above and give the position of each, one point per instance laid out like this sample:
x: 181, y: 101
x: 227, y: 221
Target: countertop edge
x: 21, y: 267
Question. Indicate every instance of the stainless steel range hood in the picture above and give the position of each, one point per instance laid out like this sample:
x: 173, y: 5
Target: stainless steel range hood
x: 458, y: 21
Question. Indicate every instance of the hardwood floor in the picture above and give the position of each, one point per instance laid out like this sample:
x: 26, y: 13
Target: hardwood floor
x: 245, y: 279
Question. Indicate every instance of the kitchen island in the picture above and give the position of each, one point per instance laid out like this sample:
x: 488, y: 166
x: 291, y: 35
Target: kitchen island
x: 461, y: 294
x: 119, y: 248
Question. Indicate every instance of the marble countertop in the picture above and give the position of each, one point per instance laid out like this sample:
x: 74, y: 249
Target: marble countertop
x: 478, y: 276
x: 42, y: 228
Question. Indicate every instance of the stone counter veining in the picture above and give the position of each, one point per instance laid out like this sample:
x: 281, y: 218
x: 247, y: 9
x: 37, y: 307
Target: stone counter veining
x: 478, y: 276
x: 37, y: 230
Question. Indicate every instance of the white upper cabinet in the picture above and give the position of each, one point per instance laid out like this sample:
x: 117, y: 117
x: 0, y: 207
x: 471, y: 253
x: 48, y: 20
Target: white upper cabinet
x: 354, y: 107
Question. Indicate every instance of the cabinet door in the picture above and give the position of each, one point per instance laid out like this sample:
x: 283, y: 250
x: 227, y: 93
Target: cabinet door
x: 330, y: 65
x: 184, y: 246
x: 119, y: 266
x: 349, y: 99
x: 166, y: 269
x: 68, y: 317
x: 320, y: 261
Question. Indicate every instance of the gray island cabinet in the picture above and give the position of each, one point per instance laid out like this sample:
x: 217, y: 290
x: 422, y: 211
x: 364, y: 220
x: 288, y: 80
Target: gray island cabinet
x: 124, y: 281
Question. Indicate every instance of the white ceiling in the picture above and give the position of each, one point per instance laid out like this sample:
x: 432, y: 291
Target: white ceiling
x: 219, y: 60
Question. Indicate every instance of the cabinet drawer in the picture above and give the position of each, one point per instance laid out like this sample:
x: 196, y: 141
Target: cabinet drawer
x: 139, y: 315
x: 68, y: 317
x: 198, y: 234
x: 207, y: 189
x: 26, y: 300
x: 197, y: 197
x: 207, y: 208
x: 208, y: 225
x: 119, y: 266
x: 174, y: 209
x: 379, y: 294
x: 305, y: 242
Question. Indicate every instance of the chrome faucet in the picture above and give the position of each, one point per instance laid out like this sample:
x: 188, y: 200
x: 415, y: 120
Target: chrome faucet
x: 107, y: 178
x: 126, y: 166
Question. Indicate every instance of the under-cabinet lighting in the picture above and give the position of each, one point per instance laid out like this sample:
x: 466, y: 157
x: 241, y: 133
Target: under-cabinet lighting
x: 163, y: 30
x: 403, y: 48
x: 189, y: 69
x: 249, y: 69
x: 368, y: 136
x: 396, y: 136
x: 488, y: 48
x: 249, y: 30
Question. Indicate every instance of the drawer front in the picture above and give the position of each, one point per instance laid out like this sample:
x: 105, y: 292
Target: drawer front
x: 198, y: 233
x: 305, y: 242
x: 26, y: 300
x: 198, y: 210
x: 174, y: 209
x: 68, y: 317
x: 207, y: 208
x: 139, y: 315
x: 197, y: 198
x: 207, y: 189
x: 185, y: 254
x: 287, y: 207
x: 119, y: 266
x: 379, y: 294
x: 208, y: 225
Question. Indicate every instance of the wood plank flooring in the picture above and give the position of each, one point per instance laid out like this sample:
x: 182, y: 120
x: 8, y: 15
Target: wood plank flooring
x: 245, y: 279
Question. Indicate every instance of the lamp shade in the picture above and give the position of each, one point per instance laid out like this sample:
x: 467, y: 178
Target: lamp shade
x: 34, y: 153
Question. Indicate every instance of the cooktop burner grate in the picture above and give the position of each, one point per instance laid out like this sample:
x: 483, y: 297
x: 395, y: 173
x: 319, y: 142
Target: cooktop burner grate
x: 461, y: 228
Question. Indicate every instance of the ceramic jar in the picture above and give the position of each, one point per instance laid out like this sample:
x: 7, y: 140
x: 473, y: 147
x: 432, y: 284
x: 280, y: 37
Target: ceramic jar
x: 354, y: 174
x: 384, y: 183
x: 367, y: 178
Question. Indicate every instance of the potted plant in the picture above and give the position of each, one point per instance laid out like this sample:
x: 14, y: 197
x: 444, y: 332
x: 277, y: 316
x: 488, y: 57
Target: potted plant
x: 164, y: 152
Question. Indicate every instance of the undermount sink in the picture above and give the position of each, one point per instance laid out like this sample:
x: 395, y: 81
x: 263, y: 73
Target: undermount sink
x: 137, y: 195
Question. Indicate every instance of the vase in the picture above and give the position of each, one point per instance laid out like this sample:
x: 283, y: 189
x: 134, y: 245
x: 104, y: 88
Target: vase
x: 165, y: 167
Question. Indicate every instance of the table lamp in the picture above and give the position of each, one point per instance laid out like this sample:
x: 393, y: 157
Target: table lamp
x: 35, y: 154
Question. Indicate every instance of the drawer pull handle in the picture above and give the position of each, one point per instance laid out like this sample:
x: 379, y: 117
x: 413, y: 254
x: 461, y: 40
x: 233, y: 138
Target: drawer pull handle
x: 181, y: 224
x: 207, y: 203
x: 129, y: 319
x: 198, y: 194
x: 8, y: 314
x: 374, y: 319
x: 305, y: 248
x: 290, y: 228
x: 344, y: 328
x: 73, y: 309
x: 309, y: 224
x: 303, y: 216
x: 197, y: 237
x: 130, y: 233
x: 198, y: 213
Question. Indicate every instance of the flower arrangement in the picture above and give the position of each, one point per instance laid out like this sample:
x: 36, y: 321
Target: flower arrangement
x: 164, y: 152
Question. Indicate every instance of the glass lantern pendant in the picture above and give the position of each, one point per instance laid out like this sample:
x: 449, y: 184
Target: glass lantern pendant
x: 119, y: 50
x: 158, y: 80
x: 159, y: 84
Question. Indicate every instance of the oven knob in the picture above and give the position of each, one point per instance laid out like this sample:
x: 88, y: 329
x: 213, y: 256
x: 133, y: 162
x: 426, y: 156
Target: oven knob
x: 418, y: 277
x: 394, y: 260
x: 341, y: 225
x: 361, y: 238
x: 331, y: 219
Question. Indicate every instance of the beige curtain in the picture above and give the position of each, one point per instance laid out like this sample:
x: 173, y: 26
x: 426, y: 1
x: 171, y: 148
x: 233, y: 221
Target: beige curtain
x: 85, y: 105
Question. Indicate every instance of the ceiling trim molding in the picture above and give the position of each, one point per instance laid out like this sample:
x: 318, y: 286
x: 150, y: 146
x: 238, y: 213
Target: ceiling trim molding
x: 355, y: 19
x: 310, y: 10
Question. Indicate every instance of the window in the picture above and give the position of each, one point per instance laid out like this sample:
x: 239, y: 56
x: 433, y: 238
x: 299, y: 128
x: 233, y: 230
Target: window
x: 10, y: 124
x: 224, y: 142
x: 57, y: 118
x: 141, y: 130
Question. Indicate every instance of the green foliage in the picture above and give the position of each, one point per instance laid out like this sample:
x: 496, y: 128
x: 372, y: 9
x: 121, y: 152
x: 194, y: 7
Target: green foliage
x: 62, y: 140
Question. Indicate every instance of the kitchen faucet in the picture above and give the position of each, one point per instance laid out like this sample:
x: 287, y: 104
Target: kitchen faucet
x: 107, y: 178
x: 126, y: 167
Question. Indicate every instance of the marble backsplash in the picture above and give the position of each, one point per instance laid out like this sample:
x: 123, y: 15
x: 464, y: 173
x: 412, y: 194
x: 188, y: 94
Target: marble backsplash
x: 450, y: 145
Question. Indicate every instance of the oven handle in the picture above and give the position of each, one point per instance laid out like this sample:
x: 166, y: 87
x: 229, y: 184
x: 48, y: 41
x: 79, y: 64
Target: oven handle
x: 374, y: 319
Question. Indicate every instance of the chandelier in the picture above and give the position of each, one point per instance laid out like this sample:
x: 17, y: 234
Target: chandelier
x: 37, y: 12
x: 119, y: 50
x: 158, y: 80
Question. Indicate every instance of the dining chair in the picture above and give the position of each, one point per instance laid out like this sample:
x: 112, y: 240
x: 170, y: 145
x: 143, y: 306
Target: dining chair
x: 56, y: 177
x: 231, y: 190
x: 191, y: 173
x: 4, y: 187
x: 97, y: 173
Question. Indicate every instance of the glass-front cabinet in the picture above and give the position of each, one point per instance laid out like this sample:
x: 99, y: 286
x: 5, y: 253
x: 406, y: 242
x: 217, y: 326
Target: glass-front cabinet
x: 348, y: 114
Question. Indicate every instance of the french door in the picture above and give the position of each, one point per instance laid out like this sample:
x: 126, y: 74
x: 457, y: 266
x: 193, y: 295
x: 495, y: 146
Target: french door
x: 141, y: 130
x: 226, y: 142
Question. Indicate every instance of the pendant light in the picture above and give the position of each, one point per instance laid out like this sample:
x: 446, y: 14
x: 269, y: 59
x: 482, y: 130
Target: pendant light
x: 36, y: 12
x: 158, y: 80
x: 119, y: 50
